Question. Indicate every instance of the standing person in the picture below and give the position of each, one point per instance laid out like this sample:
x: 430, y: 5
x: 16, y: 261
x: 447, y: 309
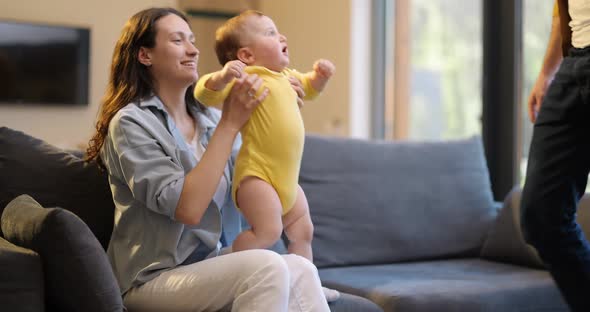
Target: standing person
x: 266, y: 187
x: 169, y: 162
x: 559, y: 157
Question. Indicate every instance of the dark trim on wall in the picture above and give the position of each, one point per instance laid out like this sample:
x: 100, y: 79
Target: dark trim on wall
x: 501, y: 87
x: 210, y: 14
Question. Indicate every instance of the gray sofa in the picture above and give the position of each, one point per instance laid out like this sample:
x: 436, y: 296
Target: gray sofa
x: 399, y: 226
x: 53, y: 259
x: 412, y: 226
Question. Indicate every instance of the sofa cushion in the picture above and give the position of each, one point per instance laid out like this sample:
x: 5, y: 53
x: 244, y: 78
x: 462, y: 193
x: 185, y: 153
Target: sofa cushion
x: 384, y: 202
x: 449, y: 285
x: 77, y: 273
x: 55, y: 178
x: 505, y: 241
x: 21, y: 285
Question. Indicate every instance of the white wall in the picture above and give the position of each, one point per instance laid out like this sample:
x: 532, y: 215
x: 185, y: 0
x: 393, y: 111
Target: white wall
x: 360, y: 62
x: 70, y: 126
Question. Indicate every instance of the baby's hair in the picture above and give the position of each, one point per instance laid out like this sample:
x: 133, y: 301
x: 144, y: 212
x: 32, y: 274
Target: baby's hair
x: 227, y: 37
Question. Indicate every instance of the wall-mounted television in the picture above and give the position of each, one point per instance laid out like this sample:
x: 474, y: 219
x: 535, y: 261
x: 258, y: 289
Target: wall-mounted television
x: 43, y: 64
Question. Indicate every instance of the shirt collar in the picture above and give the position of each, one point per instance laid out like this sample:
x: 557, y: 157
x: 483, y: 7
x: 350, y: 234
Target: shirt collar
x: 204, y: 117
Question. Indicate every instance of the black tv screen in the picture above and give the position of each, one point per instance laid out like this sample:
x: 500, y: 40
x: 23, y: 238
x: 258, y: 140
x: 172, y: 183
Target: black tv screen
x: 43, y: 64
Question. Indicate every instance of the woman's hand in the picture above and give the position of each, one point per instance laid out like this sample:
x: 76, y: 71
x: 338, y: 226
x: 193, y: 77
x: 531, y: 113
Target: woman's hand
x: 296, y: 85
x: 242, y: 101
x: 536, y: 96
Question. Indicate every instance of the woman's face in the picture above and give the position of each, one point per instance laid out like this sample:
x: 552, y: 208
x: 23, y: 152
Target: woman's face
x: 174, y: 57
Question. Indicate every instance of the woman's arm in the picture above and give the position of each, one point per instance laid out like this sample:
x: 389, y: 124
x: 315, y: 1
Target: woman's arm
x: 551, y: 62
x: 201, y: 182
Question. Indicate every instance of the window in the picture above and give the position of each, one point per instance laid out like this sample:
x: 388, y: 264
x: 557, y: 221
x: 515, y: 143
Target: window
x: 437, y: 70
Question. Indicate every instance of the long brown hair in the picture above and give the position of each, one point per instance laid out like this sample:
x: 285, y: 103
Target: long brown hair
x: 129, y: 80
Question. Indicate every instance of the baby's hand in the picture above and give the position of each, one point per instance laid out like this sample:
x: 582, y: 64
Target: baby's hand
x: 324, y: 68
x: 231, y: 70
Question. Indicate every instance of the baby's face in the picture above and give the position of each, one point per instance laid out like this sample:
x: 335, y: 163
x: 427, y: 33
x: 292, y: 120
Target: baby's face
x: 267, y: 45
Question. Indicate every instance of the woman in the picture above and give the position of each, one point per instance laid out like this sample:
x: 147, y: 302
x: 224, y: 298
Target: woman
x: 169, y: 161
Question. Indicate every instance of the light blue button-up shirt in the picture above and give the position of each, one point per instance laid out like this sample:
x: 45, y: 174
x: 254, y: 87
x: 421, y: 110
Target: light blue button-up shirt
x: 147, y: 159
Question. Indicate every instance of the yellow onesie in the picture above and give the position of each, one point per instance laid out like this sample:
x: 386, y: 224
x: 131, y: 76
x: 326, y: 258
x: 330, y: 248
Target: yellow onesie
x: 273, y: 137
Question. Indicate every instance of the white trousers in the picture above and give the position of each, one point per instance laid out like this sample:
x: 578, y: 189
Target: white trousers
x: 245, y: 281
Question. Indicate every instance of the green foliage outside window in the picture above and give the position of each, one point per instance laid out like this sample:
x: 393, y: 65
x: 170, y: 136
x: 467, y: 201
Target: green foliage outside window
x: 446, y: 70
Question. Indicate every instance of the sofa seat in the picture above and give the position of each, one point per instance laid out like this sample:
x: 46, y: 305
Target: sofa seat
x: 449, y: 285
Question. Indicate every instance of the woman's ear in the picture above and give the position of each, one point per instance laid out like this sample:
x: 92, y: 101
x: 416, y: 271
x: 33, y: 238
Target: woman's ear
x: 144, y: 56
x: 246, y: 56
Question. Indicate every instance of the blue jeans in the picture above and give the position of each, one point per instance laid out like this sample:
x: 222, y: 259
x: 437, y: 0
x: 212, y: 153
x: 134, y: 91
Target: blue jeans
x: 557, y: 173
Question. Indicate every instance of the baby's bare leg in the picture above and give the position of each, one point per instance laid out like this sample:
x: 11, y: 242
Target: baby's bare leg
x: 298, y: 227
x: 299, y: 230
x: 260, y: 204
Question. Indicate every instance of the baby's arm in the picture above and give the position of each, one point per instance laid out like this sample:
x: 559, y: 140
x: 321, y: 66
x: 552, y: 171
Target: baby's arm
x: 322, y: 71
x: 219, y: 79
x: 213, y: 88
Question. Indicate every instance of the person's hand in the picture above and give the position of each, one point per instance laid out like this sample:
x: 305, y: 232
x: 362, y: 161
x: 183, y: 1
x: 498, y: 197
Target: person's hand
x: 536, y: 96
x: 242, y: 100
x: 324, y: 68
x: 298, y: 87
x: 231, y: 70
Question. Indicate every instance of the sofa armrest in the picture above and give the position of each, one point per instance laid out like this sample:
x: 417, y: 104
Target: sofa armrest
x: 504, y: 241
x: 76, y: 263
x: 21, y: 285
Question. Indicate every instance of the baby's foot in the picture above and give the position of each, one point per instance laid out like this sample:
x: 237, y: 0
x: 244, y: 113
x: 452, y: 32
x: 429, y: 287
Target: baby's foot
x: 331, y: 294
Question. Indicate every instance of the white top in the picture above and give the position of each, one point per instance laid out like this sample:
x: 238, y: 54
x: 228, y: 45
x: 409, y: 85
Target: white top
x: 579, y: 11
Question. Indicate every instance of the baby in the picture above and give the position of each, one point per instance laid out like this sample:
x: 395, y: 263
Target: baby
x: 265, y: 183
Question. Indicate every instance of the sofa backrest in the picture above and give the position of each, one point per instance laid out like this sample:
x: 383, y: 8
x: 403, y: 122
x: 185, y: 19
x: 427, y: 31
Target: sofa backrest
x: 55, y: 178
x: 383, y: 202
